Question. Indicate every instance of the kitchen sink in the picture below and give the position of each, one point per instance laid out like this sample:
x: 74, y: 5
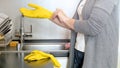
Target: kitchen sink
x: 44, y: 46
x: 57, y: 49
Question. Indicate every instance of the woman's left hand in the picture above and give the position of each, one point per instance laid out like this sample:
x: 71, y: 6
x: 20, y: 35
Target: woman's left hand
x: 66, y: 21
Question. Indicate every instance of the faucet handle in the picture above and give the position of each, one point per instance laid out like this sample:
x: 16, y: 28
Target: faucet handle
x: 28, y: 34
x: 17, y: 34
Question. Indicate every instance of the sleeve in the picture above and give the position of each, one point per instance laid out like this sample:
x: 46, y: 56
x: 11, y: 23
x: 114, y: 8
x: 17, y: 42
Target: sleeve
x: 95, y: 23
x: 76, y: 16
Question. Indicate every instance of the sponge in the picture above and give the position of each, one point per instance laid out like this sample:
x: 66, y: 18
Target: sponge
x: 13, y: 43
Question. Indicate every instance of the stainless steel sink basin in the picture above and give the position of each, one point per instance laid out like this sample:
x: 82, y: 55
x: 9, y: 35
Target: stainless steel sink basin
x: 57, y: 49
x: 44, y: 46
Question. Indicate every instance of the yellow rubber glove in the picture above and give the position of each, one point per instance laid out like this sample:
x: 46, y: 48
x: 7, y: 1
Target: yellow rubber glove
x: 37, y: 12
x: 37, y: 55
x: 38, y: 63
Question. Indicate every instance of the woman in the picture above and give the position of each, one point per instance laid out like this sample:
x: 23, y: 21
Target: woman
x: 99, y: 24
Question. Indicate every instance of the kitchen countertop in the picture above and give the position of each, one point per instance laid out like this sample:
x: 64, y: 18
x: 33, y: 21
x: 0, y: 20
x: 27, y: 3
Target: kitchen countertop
x: 11, y: 59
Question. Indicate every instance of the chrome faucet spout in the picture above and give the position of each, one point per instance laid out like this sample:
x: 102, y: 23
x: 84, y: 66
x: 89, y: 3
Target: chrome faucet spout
x: 21, y: 32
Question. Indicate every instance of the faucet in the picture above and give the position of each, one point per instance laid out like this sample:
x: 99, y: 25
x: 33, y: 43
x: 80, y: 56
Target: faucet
x: 21, y: 32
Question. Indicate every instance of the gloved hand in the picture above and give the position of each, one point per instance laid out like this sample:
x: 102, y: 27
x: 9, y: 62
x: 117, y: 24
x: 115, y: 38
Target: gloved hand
x: 37, y: 55
x: 37, y: 12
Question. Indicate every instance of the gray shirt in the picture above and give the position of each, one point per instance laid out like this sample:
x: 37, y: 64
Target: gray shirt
x: 100, y: 26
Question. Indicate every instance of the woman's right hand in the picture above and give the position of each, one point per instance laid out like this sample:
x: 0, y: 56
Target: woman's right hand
x: 67, y: 46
